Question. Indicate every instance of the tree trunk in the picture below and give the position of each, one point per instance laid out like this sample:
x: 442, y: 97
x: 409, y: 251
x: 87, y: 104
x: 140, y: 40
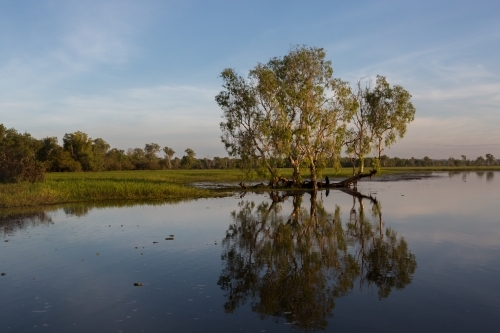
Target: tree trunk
x: 296, y: 170
x: 353, y: 179
x: 312, y: 169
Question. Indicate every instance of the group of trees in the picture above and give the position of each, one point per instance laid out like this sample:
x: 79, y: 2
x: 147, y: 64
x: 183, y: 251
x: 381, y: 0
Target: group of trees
x: 386, y: 161
x: 25, y: 158
x: 292, y: 110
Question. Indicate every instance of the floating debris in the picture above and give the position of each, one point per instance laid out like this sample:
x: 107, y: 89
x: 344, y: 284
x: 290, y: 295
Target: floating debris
x: 171, y: 235
x: 169, y: 238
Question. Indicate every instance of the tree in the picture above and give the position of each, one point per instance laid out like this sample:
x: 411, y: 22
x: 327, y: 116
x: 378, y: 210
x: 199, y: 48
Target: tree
x: 117, y: 159
x: 151, y: 149
x: 309, y: 109
x: 138, y: 158
x: 246, y: 131
x: 381, y: 117
x: 389, y: 113
x: 99, y: 150
x: 464, y: 160
x: 56, y: 159
x: 79, y: 146
x: 490, y: 159
x: 359, y: 137
x: 188, y: 161
x: 479, y: 161
x: 427, y: 161
x: 291, y: 108
x: 18, y: 157
x: 169, y: 152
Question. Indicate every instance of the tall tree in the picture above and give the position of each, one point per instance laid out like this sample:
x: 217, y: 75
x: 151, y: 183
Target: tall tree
x: 359, y: 137
x: 188, y: 161
x: 382, y: 117
x: 490, y: 159
x: 245, y: 130
x: 169, y: 152
x: 151, y: 149
x: 390, y: 112
x: 308, y: 109
x: 290, y: 108
x: 79, y: 145
x: 99, y: 149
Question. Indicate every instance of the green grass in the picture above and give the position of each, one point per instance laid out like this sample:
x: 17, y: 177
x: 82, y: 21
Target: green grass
x: 100, y: 186
x: 172, y: 185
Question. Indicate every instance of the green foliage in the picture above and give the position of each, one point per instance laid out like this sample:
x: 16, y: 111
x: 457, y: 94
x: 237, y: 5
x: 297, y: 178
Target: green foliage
x: 188, y: 160
x: 390, y: 111
x: 79, y: 146
x: 169, y: 152
x: 56, y: 158
x: 382, y: 116
x: 290, y: 109
x: 18, y: 157
x: 376, y: 164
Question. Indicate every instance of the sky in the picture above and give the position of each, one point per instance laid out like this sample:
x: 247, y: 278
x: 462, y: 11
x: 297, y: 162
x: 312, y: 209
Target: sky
x: 137, y: 72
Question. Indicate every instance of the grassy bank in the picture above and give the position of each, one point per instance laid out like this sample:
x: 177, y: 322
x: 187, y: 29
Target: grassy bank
x: 145, y: 185
x: 99, y: 186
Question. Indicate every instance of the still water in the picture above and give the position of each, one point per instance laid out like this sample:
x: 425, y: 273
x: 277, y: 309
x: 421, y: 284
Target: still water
x: 413, y: 255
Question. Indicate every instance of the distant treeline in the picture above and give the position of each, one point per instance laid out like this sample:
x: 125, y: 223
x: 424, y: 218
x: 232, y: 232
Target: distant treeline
x: 24, y: 158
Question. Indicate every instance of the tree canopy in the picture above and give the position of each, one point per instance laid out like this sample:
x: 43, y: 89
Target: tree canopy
x: 291, y: 108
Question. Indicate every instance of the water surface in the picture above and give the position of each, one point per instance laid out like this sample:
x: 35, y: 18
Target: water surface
x: 414, y: 255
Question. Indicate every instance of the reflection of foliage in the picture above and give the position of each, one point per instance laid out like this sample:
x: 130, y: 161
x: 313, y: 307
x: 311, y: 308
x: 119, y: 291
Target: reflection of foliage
x: 17, y: 218
x: 12, y: 220
x: 293, y: 267
x: 390, y: 263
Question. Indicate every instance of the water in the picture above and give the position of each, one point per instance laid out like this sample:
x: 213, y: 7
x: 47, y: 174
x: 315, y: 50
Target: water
x: 414, y: 255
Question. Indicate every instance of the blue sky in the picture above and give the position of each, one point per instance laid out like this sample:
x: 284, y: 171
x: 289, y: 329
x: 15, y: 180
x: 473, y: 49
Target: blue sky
x: 135, y: 72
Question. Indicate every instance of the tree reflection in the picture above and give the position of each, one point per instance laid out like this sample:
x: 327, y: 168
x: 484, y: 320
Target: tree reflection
x: 13, y: 220
x: 293, y: 267
x: 489, y: 176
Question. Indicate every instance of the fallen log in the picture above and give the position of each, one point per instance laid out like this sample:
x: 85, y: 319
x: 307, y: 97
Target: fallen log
x: 347, y: 182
